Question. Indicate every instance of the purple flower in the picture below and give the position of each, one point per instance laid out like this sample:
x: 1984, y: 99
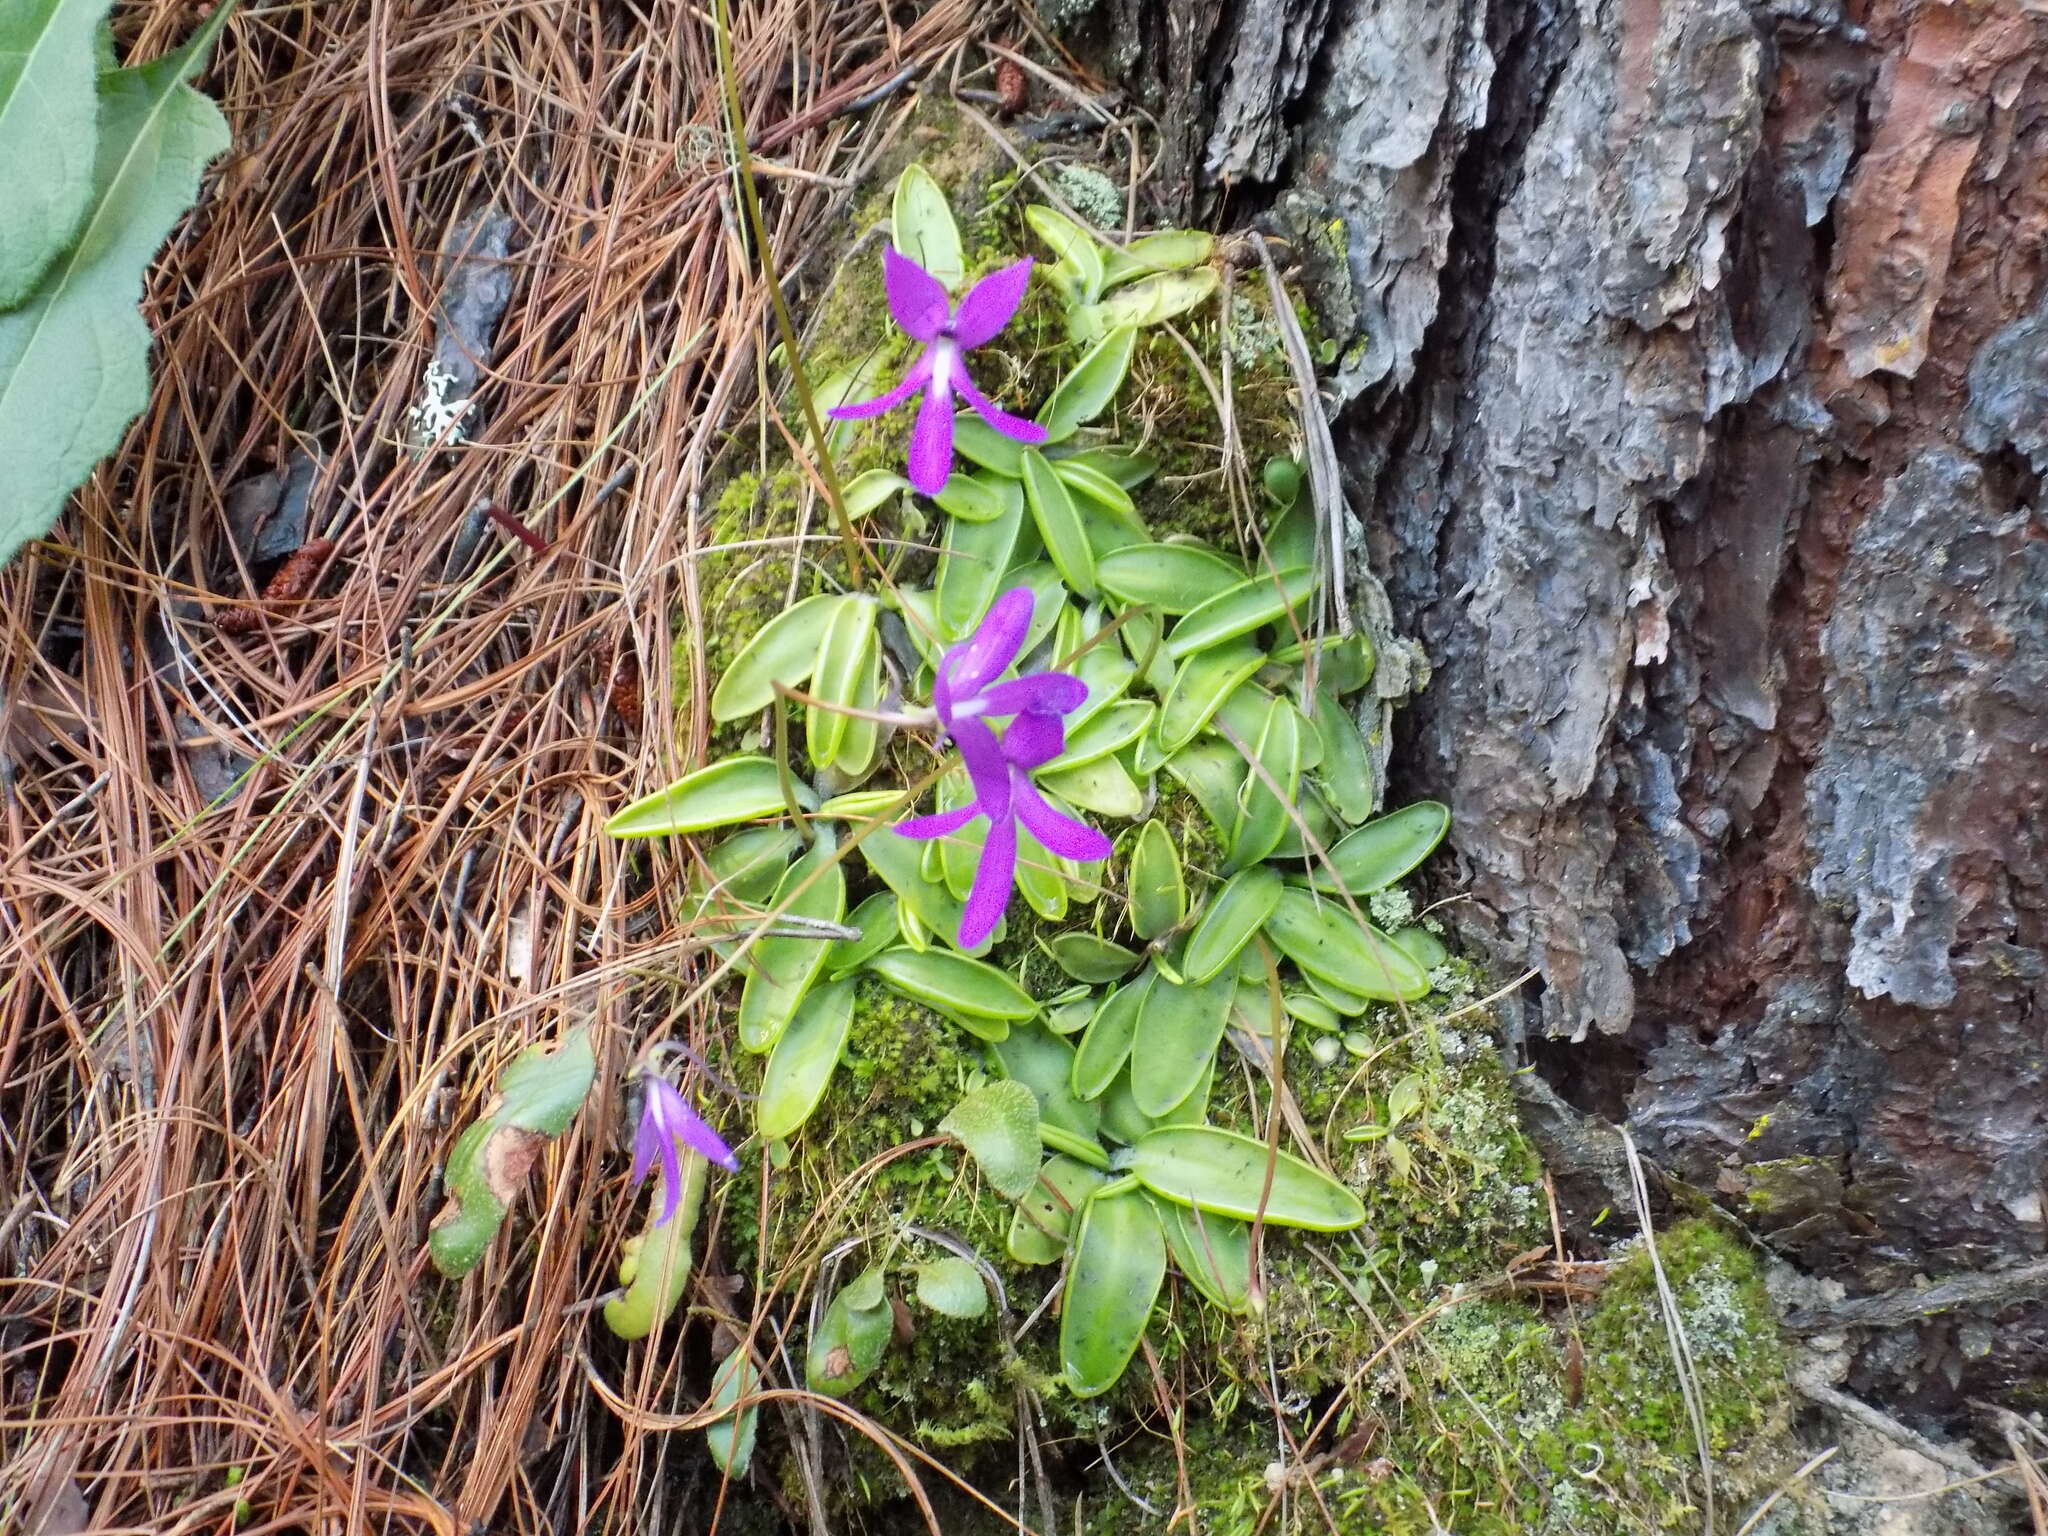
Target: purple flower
x: 965, y: 694
x: 919, y: 303
x: 667, y: 1125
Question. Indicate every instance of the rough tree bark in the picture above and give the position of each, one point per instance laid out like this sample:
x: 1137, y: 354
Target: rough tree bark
x: 1695, y: 395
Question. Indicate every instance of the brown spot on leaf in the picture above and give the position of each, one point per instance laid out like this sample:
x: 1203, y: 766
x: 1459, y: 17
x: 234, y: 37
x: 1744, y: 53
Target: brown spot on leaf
x: 507, y: 1157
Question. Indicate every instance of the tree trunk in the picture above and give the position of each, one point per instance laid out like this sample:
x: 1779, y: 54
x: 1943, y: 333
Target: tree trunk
x: 1694, y: 394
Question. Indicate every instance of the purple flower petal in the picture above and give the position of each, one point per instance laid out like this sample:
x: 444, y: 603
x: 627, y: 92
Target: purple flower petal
x: 1034, y: 739
x: 987, y: 768
x: 707, y: 1143
x: 931, y: 440
x: 938, y: 824
x: 978, y: 660
x: 911, y: 382
x: 994, y: 878
x: 916, y: 298
x: 990, y: 303
x: 1068, y: 838
x: 1010, y: 426
x: 1039, y: 693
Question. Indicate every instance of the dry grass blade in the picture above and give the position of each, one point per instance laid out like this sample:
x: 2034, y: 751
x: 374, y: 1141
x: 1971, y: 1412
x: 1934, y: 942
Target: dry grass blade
x: 276, y: 903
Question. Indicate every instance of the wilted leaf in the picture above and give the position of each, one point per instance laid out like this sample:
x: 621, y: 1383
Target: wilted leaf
x: 952, y: 1287
x: 998, y: 1125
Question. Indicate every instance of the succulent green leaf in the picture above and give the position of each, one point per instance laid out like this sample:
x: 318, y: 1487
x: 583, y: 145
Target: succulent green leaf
x: 1324, y: 940
x: 1213, y: 772
x: 1265, y: 804
x: 1106, y: 1043
x: 74, y: 354
x: 1383, y: 851
x: 972, y: 563
x: 1157, y: 889
x: 801, y: 1065
x: 783, y: 965
x: 998, y: 1125
x: 654, y: 1265
x: 1229, y: 1174
x: 881, y: 927
x: 47, y: 123
x: 981, y: 443
x: 1233, y: 916
x: 952, y: 1287
x: 1044, y: 1063
x: 843, y: 660
x: 1174, y: 578
x: 1045, y: 1216
x: 1087, y: 391
x: 1083, y: 479
x: 734, y: 790
x: 1080, y: 258
x: 1127, y: 468
x: 925, y: 903
x: 1421, y: 946
x: 871, y: 489
x: 1059, y: 524
x: 922, y: 228
x: 747, y: 865
x: 1169, y: 250
x: 1087, y: 957
x: 1100, y: 735
x: 971, y: 497
x: 1213, y: 1252
x: 1346, y: 769
x: 1203, y: 681
x: 1179, y: 1028
x: 538, y: 1095
x: 1148, y: 301
x: 1123, y: 1121
x: 1282, y: 480
x: 1114, y: 1271
x: 1338, y: 999
x: 1262, y: 600
x: 1102, y: 786
x: 954, y: 984
x: 851, y: 1337
x: 731, y: 1440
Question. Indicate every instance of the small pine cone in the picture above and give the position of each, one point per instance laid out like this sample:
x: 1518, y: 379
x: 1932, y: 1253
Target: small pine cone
x: 1013, y: 87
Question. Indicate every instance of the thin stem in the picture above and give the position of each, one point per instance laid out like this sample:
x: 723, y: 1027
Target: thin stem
x: 750, y: 195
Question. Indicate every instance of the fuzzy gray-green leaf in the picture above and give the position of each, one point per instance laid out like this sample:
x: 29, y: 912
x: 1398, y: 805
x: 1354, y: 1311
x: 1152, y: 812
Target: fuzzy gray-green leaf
x: 74, y: 356
x: 998, y: 1125
x: 48, y: 127
x: 952, y: 1287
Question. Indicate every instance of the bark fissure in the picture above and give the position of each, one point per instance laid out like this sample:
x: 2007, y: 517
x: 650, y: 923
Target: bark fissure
x: 1696, y: 360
